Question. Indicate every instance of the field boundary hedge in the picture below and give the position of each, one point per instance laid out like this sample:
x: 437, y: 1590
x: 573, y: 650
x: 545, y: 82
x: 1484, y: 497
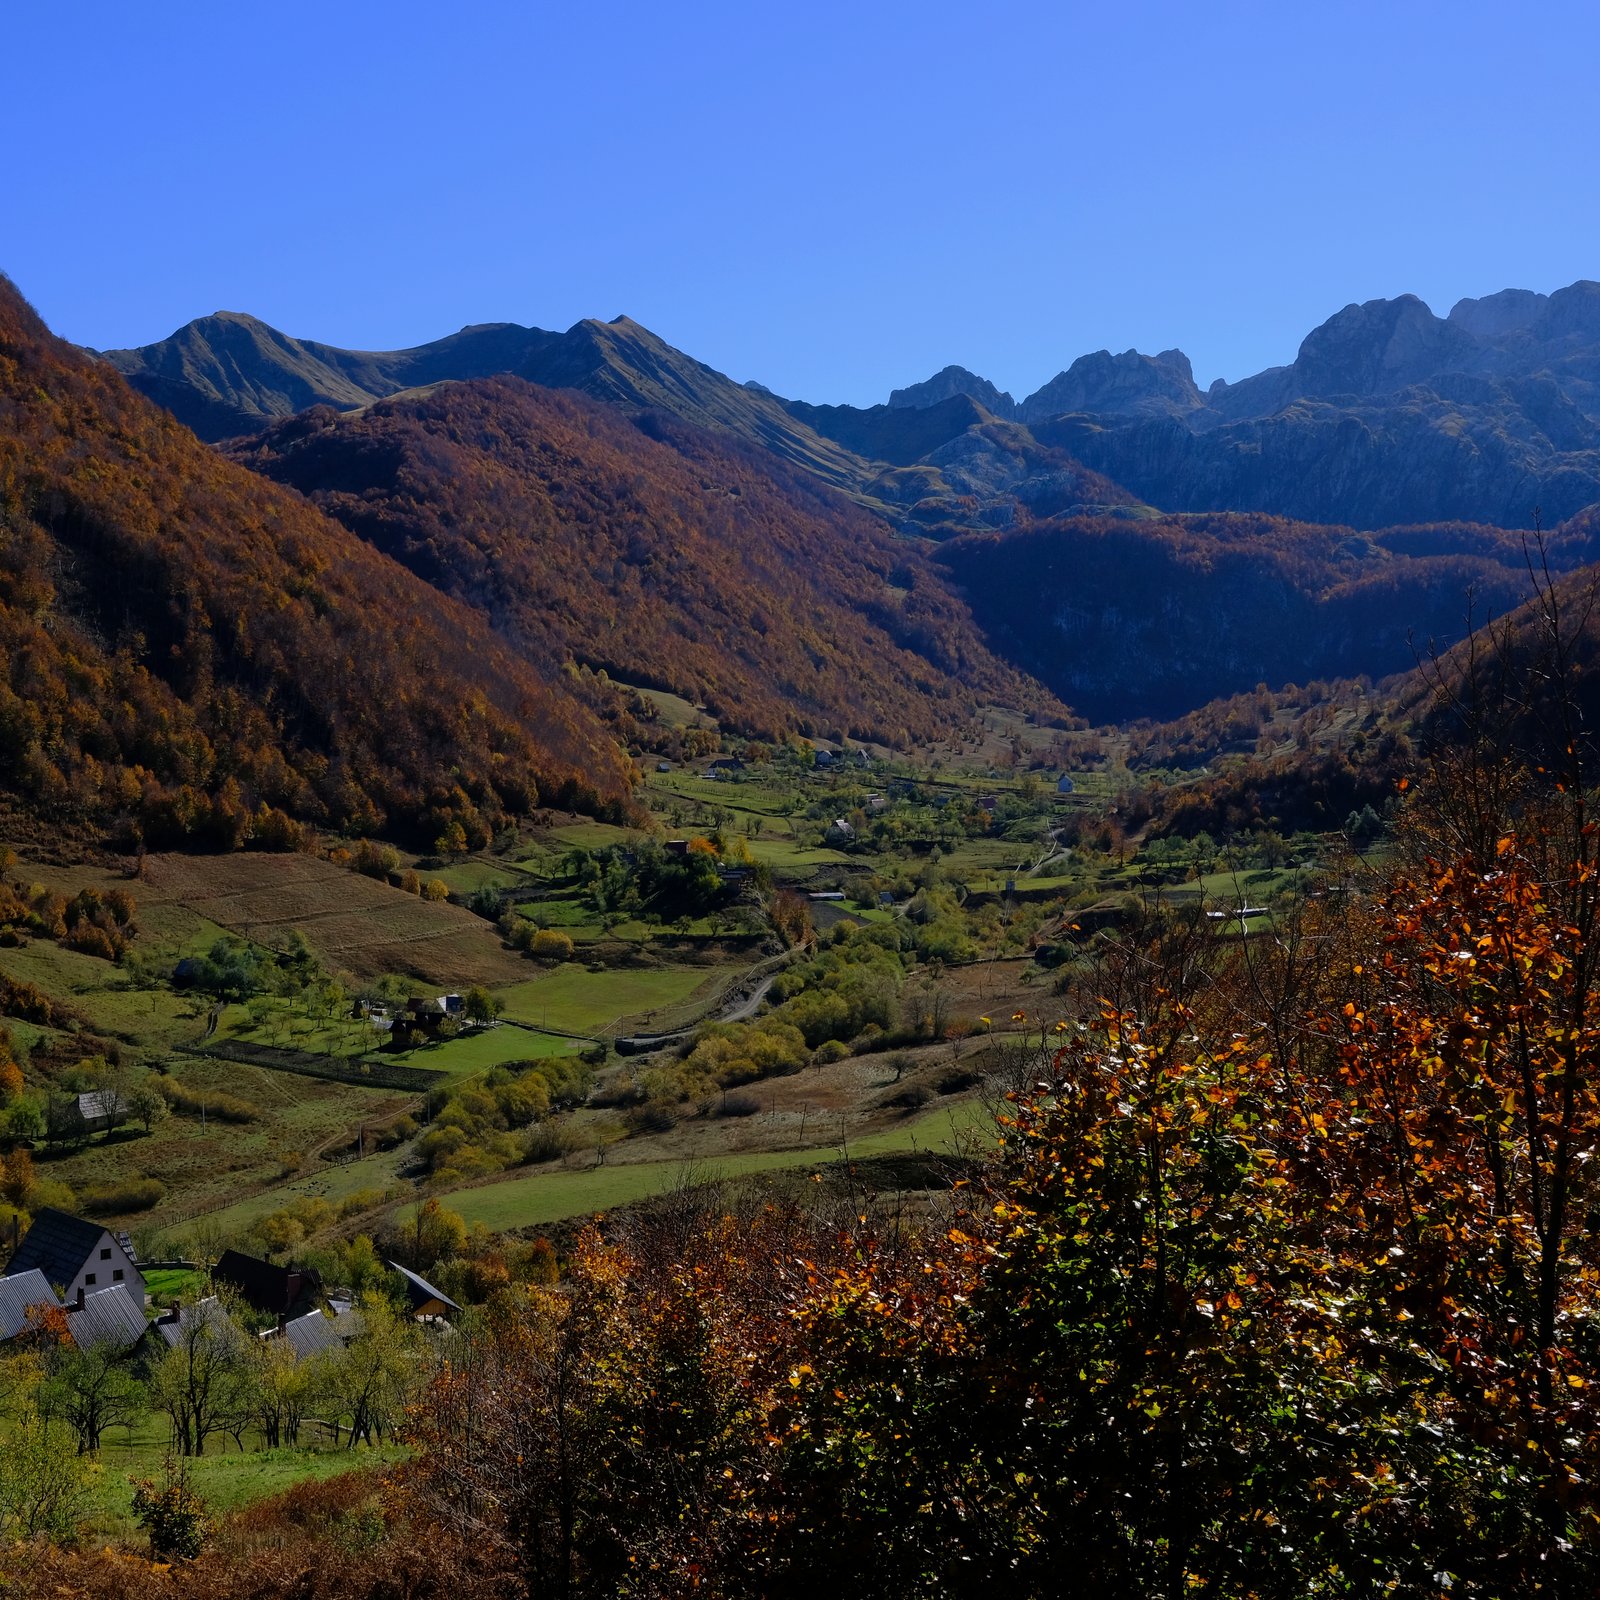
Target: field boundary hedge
x: 363, y: 1074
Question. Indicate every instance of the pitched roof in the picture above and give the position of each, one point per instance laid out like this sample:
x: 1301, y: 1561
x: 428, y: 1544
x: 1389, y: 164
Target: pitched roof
x: 57, y: 1244
x: 315, y: 1332
x: 175, y: 1324
x: 263, y: 1286
x: 107, y: 1316
x: 102, y: 1103
x: 419, y: 1291
x: 19, y: 1293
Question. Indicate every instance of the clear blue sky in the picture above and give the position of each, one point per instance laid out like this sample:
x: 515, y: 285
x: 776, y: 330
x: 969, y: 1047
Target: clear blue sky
x: 832, y: 198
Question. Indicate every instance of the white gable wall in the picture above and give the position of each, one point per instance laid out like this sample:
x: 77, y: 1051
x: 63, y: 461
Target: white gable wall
x: 108, y: 1266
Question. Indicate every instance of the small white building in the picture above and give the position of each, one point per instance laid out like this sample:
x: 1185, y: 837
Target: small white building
x: 77, y: 1257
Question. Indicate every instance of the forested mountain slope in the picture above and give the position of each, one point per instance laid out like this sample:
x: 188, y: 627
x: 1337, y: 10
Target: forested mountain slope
x: 661, y: 552
x: 183, y: 643
x: 1128, y: 619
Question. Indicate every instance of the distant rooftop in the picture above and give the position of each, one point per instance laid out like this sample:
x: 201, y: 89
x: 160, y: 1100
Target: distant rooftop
x: 316, y: 1332
x: 419, y: 1291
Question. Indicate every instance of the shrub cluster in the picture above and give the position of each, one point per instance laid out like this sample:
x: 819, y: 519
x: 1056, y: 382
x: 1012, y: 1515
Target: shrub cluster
x: 210, y: 1103
x: 486, y: 1128
x: 94, y: 922
x: 121, y: 1197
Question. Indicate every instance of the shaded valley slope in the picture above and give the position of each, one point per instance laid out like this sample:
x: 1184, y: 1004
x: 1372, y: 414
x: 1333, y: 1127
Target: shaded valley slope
x: 661, y: 552
x: 1154, y: 618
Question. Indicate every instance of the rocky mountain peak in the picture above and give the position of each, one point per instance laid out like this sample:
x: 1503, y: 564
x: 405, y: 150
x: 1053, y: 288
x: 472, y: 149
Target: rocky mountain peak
x: 1381, y: 346
x: 1129, y: 384
x: 954, y: 381
x: 1495, y: 315
x: 1574, y: 310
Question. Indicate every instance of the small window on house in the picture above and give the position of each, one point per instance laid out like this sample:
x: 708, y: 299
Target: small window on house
x: 88, y: 1280
x: 116, y: 1274
x: 105, y: 1255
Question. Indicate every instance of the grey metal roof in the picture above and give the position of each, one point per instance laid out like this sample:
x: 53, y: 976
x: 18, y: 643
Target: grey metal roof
x: 19, y: 1293
x: 419, y: 1291
x: 101, y: 1103
x: 174, y: 1325
x: 315, y: 1332
x: 57, y: 1244
x: 107, y: 1316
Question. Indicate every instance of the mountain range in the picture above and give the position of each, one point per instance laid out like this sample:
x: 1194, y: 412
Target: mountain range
x: 1388, y: 414
x: 423, y: 586
x: 955, y: 468
x: 1134, y: 544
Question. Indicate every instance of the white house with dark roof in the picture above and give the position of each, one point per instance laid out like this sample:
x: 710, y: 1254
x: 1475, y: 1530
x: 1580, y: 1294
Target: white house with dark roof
x: 77, y: 1257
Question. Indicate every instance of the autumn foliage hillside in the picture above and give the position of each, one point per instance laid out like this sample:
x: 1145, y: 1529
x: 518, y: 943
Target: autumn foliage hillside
x: 1351, y: 744
x: 670, y: 556
x: 185, y: 647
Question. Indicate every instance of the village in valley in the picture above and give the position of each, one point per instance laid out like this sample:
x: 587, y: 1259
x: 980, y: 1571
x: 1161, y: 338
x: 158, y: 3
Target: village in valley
x: 285, y: 1118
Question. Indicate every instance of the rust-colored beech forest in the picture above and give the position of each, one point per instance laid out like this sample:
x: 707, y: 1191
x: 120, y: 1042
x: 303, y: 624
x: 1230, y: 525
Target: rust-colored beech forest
x: 655, y: 550
x: 185, y: 643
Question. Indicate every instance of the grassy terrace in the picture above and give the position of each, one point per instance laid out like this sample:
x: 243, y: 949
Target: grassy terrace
x: 482, y: 1048
x: 226, y: 1480
x: 575, y: 1000
x: 550, y: 1196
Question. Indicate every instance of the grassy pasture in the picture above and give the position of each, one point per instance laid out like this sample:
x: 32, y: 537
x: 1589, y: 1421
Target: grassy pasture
x: 208, y: 1165
x: 786, y: 857
x: 225, y: 1479
x: 474, y: 873
x: 61, y: 972
x: 479, y: 1049
x: 333, y: 1181
x: 753, y: 796
x: 164, y: 1285
x: 590, y: 835
x: 572, y: 998
x: 550, y: 1196
x: 672, y: 710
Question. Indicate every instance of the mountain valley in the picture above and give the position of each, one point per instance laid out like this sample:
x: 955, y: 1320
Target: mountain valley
x: 491, y: 822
